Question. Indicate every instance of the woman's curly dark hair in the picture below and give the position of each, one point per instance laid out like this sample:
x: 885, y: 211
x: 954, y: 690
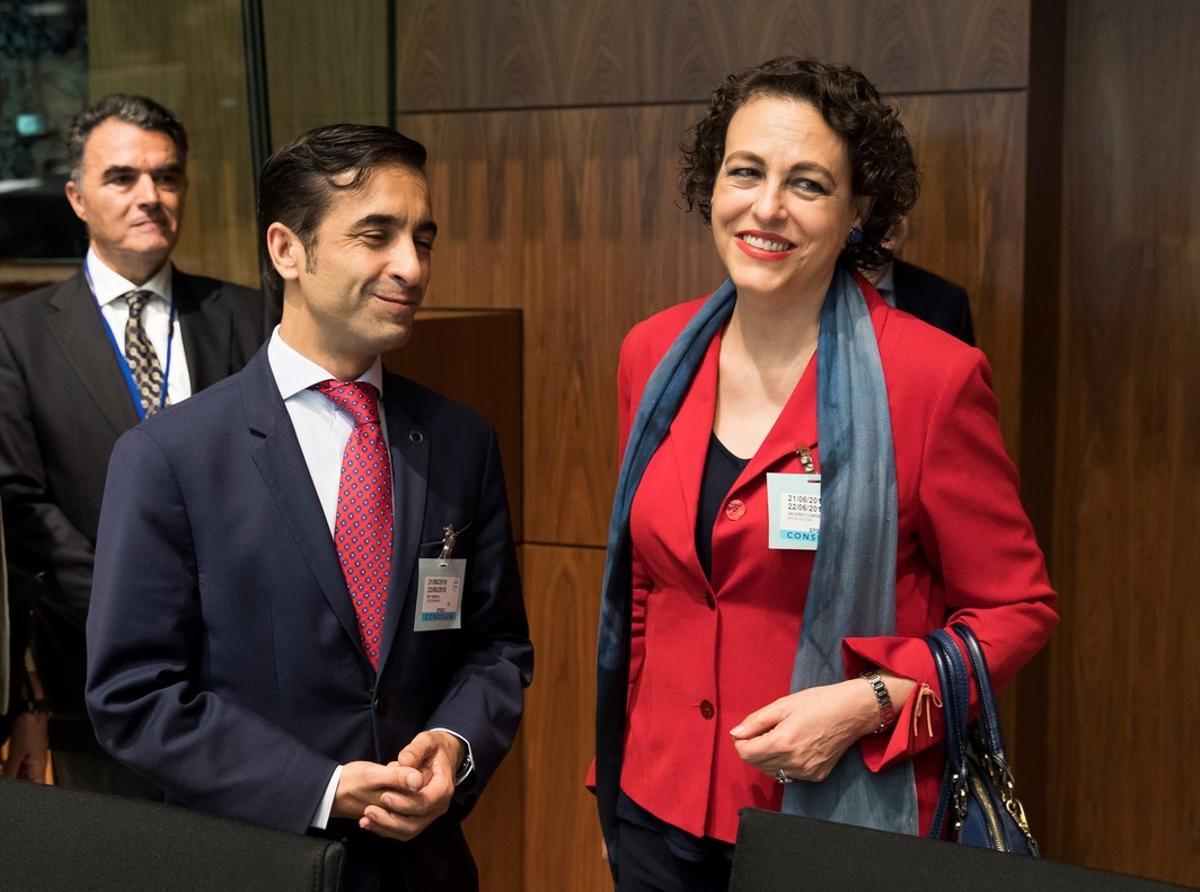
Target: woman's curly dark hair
x: 881, y: 158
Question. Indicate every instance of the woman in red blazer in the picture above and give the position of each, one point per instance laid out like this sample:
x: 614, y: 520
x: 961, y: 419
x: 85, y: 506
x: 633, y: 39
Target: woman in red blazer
x: 733, y: 662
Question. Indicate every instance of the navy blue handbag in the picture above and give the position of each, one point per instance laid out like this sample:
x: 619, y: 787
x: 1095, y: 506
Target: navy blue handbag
x: 977, y: 788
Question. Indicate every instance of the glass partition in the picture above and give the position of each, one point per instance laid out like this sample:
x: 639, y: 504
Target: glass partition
x: 43, y: 85
x: 325, y: 62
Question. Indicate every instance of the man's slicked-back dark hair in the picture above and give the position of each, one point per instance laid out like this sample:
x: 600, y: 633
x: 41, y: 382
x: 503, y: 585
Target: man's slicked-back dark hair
x: 140, y: 111
x: 300, y: 178
x: 880, y: 155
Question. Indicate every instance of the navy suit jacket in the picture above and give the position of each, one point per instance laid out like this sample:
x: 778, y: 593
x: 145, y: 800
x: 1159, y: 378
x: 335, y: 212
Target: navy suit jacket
x: 224, y: 660
x: 933, y: 299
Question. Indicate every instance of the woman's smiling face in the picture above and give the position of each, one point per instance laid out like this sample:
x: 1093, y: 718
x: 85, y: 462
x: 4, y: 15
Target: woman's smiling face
x: 782, y: 203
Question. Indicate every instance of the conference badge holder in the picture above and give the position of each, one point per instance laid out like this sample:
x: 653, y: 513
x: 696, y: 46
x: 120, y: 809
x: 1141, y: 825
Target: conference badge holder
x: 794, y: 507
x: 440, y: 587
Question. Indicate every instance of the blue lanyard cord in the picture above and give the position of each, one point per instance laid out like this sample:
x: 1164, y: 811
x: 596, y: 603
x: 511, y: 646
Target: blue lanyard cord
x: 123, y: 361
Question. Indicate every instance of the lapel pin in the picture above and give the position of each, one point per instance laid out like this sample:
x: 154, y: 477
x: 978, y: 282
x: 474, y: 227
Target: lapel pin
x: 415, y: 437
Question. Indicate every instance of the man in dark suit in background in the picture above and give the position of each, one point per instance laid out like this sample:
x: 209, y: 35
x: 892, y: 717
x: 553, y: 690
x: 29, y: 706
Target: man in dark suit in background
x: 81, y: 363
x: 307, y: 613
x: 927, y: 296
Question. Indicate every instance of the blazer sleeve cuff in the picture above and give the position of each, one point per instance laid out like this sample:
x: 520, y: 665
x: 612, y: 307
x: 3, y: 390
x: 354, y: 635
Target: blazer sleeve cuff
x: 907, y: 658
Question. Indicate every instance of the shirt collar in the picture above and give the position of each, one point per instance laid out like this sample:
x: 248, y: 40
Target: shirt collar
x: 108, y: 285
x: 295, y: 373
x: 886, y: 286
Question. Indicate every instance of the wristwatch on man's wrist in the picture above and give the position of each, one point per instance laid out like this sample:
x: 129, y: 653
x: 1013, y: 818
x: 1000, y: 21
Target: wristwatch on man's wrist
x: 39, y: 706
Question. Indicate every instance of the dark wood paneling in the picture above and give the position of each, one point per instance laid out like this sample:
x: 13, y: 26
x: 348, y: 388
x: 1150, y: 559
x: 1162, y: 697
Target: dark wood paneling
x: 573, y: 216
x: 969, y: 222
x: 562, y: 832
x: 496, y: 829
x: 464, y: 54
x: 326, y: 63
x: 1124, y: 714
x: 570, y: 216
x: 189, y: 57
x: 474, y: 357
x: 1039, y: 377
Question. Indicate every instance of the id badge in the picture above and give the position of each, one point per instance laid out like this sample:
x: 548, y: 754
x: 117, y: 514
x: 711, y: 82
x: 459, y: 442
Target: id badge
x: 794, y: 511
x: 439, y: 593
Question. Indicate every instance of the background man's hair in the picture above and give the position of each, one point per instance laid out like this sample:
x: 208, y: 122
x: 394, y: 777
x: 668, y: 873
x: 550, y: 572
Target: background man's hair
x: 139, y: 111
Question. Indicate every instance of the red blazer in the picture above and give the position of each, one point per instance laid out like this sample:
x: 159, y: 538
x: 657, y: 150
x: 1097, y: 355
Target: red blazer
x: 704, y: 656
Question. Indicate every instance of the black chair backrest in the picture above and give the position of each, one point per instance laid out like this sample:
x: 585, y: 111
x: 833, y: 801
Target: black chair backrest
x: 779, y: 853
x: 52, y: 838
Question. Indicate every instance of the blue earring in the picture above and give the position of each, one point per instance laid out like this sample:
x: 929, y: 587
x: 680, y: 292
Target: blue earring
x: 855, y: 237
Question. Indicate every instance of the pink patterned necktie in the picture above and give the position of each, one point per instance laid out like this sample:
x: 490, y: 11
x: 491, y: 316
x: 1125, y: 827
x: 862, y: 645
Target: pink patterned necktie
x: 362, y: 530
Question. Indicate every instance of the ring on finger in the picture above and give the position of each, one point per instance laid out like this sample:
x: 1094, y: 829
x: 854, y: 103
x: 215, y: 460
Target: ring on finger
x: 783, y: 777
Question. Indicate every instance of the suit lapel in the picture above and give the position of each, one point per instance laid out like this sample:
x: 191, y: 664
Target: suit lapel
x: 408, y: 443
x: 283, y: 469
x: 207, y: 329
x: 77, y: 327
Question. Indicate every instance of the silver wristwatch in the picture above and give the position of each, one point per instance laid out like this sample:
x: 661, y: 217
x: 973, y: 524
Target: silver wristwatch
x: 887, y: 712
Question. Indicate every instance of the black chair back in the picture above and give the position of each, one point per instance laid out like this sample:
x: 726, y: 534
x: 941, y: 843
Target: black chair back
x: 781, y: 853
x: 53, y: 838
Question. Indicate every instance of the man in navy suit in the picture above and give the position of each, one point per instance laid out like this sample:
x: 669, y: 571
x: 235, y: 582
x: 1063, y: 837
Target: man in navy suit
x: 306, y: 611
x: 929, y: 297
x: 924, y: 294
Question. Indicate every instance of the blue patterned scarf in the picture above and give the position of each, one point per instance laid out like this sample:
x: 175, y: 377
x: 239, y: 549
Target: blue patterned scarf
x: 852, y: 588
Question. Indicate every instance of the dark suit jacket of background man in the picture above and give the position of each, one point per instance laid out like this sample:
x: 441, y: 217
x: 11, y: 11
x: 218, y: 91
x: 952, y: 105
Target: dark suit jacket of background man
x: 63, y: 404
x: 933, y: 299
x: 224, y: 658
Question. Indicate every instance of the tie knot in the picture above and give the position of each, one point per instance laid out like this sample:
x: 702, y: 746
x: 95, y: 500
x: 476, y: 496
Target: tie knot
x: 358, y: 398
x: 137, y: 301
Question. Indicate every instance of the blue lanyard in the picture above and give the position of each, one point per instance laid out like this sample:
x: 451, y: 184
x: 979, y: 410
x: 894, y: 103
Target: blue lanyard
x: 123, y: 362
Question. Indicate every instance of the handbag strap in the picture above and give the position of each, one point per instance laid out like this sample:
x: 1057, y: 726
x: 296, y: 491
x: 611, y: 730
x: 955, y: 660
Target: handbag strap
x: 956, y: 696
x: 993, y: 739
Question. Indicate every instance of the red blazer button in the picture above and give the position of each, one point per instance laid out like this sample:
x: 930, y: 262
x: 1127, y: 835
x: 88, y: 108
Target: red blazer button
x: 706, y: 709
x: 735, y: 509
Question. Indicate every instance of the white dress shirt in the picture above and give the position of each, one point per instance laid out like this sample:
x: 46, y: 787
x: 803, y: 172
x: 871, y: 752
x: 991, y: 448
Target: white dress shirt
x: 109, y: 287
x: 323, y: 430
x: 321, y: 427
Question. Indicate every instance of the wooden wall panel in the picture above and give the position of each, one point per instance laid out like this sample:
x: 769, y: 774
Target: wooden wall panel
x: 495, y: 829
x: 562, y: 830
x: 189, y: 57
x: 572, y: 215
x: 969, y: 222
x: 1124, y: 715
x: 466, y: 54
x: 474, y: 357
x: 569, y: 215
x: 326, y: 64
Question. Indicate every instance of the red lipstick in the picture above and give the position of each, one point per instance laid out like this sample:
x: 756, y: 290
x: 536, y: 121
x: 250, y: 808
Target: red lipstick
x: 761, y: 253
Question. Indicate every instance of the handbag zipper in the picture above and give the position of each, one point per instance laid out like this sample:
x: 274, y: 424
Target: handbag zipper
x: 989, y: 814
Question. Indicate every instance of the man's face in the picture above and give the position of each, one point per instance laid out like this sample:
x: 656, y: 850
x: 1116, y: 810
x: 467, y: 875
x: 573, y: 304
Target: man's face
x: 356, y: 291
x: 130, y: 191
